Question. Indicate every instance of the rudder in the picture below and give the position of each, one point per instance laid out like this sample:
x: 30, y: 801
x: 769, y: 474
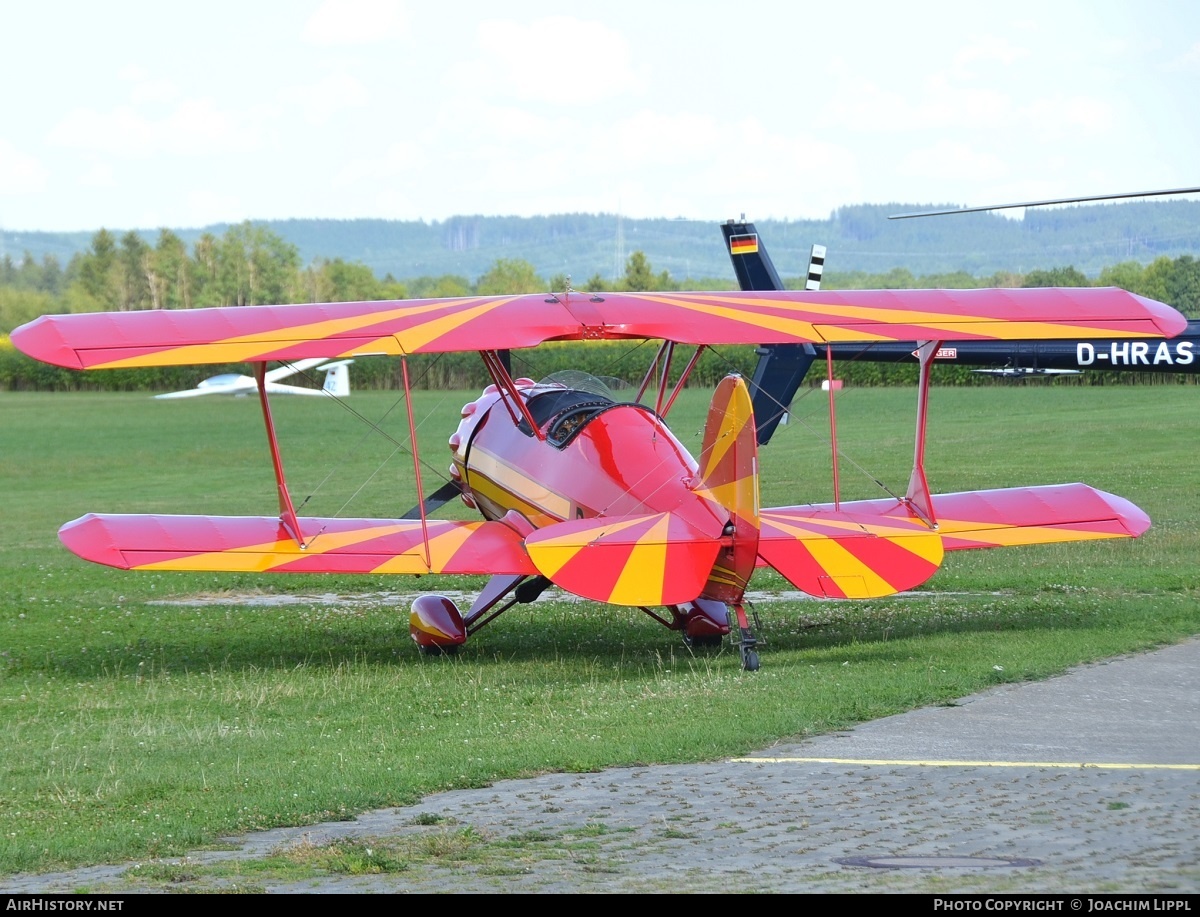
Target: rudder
x: 729, y: 477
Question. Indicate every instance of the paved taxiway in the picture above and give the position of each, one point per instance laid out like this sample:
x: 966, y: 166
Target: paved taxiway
x: 1089, y: 782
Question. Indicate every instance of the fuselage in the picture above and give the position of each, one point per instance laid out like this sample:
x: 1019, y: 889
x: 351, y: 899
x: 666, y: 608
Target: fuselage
x: 595, y: 457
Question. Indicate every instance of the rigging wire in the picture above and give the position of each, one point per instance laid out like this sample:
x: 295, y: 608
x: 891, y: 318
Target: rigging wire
x: 372, y: 426
x: 818, y: 432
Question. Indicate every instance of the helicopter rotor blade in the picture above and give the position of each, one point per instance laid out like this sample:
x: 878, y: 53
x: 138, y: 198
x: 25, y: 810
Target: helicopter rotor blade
x: 1061, y: 200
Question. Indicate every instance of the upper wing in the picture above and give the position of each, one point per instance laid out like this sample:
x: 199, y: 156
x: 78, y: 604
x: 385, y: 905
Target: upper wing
x: 260, y: 333
x: 873, y: 548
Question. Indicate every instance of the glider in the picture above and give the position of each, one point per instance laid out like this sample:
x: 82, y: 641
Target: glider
x: 586, y: 489
x: 337, y: 381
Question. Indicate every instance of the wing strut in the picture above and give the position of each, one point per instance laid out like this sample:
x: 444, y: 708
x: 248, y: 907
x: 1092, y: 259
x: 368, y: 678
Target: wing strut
x: 494, y: 364
x: 837, y: 490
x: 918, y: 497
x: 287, y: 512
x: 661, y: 364
x: 687, y: 371
x: 412, y: 438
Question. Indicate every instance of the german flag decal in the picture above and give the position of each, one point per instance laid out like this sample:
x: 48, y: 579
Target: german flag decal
x: 743, y: 245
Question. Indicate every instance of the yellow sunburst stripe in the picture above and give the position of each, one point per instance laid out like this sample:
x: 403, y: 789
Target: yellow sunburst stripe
x: 247, y: 348
x: 998, y: 329
x: 641, y: 578
x: 924, y: 544
x: 1023, y: 535
x: 441, y: 549
x: 551, y: 554
x: 804, y: 330
x: 737, y: 494
x: 602, y: 527
x: 829, y: 327
x: 413, y: 339
x: 839, y: 563
x: 259, y: 557
x: 841, y: 311
x: 807, y: 528
x: 736, y: 414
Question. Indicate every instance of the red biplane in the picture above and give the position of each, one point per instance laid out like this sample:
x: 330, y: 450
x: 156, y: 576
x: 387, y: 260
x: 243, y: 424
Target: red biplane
x: 594, y: 494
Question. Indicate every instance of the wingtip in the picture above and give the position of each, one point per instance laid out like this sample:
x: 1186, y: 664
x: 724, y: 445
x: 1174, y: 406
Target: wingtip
x: 1169, y: 320
x: 90, y: 538
x: 1132, y: 518
x: 42, y: 340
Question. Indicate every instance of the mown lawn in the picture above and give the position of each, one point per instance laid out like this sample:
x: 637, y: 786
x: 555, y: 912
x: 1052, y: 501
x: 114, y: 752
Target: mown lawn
x: 150, y: 714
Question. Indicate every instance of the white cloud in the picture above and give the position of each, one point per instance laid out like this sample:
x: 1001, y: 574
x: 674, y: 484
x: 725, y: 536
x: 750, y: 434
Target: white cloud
x: 1057, y: 116
x: 205, y: 207
x: 1188, y: 62
x: 99, y: 175
x: 356, y: 22
x: 991, y: 49
x: 20, y: 173
x: 399, y: 160
x: 949, y: 160
x: 321, y: 100
x: 559, y: 59
x: 195, y: 127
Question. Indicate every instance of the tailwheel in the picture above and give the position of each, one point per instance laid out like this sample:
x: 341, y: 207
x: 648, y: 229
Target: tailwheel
x: 746, y: 642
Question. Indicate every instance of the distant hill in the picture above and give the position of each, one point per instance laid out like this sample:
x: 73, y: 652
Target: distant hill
x: 859, y: 238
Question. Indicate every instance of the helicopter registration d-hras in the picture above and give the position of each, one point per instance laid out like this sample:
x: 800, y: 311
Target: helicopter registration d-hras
x: 591, y: 493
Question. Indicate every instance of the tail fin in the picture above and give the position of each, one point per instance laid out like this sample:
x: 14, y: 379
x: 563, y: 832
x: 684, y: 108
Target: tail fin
x: 781, y: 367
x: 337, y: 378
x: 729, y: 477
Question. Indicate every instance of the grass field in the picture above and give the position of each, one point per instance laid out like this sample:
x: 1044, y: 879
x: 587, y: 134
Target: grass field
x: 134, y: 724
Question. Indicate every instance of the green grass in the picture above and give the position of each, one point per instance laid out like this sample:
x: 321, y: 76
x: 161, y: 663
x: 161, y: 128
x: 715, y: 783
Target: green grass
x: 131, y: 728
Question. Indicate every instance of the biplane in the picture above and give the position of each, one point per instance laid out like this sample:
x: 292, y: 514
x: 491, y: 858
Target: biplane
x: 586, y: 490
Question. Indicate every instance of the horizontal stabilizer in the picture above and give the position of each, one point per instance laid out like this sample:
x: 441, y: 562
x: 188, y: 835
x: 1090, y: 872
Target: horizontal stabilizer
x: 652, y: 559
x: 848, y: 555
x: 250, y: 544
x: 974, y: 519
x: 1034, y: 515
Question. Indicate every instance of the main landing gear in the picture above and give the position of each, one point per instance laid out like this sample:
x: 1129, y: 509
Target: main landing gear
x: 706, y: 623
x: 439, y: 628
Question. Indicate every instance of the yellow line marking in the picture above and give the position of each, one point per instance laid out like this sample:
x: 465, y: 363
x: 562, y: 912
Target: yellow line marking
x: 1064, y: 765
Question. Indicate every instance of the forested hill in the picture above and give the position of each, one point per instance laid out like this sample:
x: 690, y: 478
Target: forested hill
x: 859, y: 238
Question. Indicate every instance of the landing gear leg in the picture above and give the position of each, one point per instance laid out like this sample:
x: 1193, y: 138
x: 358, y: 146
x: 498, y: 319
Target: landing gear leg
x: 746, y: 643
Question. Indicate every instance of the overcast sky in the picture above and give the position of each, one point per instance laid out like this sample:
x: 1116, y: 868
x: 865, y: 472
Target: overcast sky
x: 146, y: 114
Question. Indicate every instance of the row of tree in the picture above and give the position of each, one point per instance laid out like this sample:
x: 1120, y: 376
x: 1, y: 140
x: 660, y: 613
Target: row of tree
x: 248, y: 265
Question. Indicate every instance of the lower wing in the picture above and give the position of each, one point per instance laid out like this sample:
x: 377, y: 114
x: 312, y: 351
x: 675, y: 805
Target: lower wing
x: 628, y: 560
x: 254, y: 544
x: 872, y: 548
